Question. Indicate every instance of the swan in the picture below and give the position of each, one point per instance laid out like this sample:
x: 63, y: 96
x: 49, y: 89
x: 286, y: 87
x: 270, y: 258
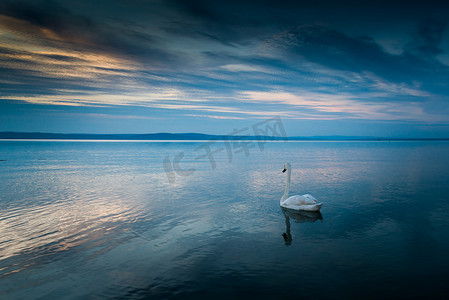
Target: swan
x: 304, y: 202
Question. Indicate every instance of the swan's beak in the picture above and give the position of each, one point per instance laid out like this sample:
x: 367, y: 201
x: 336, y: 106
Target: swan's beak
x: 283, y: 171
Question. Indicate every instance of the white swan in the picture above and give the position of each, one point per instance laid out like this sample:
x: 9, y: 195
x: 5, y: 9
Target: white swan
x: 297, y: 202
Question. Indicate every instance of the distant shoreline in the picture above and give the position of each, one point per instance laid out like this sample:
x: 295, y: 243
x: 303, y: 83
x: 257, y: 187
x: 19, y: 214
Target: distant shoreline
x: 12, y: 136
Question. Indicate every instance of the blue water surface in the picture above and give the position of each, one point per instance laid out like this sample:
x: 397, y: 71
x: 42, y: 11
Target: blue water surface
x: 110, y: 220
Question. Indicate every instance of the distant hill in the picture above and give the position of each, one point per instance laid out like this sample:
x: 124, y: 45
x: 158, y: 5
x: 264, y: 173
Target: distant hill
x: 148, y: 136
x: 191, y: 136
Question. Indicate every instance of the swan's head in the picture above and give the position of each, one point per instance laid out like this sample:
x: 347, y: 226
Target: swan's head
x: 287, y: 166
x: 287, y: 239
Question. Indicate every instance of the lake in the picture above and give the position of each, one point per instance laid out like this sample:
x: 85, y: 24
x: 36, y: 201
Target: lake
x: 178, y: 220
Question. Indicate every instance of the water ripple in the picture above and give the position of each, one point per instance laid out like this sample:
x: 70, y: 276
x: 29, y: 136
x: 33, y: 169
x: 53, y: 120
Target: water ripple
x: 28, y: 233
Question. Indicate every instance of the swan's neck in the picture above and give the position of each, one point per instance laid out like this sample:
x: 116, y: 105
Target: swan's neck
x: 287, y: 185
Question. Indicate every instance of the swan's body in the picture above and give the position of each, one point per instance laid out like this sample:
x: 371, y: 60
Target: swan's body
x: 302, y: 202
x: 297, y: 202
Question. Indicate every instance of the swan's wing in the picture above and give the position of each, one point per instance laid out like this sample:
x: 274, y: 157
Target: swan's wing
x: 309, y: 198
x: 292, y: 200
x: 304, y: 207
x: 299, y: 200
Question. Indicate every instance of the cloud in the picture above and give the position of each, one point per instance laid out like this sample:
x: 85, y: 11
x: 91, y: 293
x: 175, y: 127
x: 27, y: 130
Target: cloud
x: 340, y: 52
x: 49, y: 24
x: 108, y: 116
x: 427, y: 42
x: 327, y: 106
x: 242, y: 68
x: 332, y: 49
x: 215, y: 117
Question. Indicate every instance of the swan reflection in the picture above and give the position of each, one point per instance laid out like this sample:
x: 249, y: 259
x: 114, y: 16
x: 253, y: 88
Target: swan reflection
x: 298, y: 217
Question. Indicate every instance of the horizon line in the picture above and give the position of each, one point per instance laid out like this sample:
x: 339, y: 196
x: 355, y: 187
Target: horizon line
x: 18, y: 135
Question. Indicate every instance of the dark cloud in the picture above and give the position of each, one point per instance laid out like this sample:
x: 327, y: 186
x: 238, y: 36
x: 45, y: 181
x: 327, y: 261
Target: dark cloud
x: 330, y: 47
x: 37, y: 16
x: 337, y: 50
x: 341, y: 35
x: 64, y: 58
x: 237, y: 21
x: 51, y: 24
x: 428, y: 39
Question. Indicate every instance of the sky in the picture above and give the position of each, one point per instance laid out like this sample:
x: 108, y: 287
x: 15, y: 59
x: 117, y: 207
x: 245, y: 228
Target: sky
x: 358, y: 68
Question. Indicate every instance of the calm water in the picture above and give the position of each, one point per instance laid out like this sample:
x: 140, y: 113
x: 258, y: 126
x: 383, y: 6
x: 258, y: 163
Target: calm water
x: 95, y: 220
